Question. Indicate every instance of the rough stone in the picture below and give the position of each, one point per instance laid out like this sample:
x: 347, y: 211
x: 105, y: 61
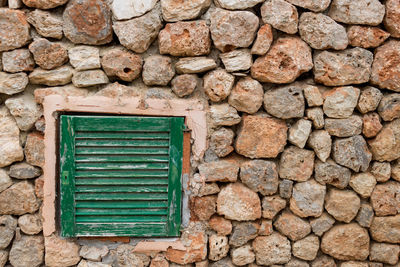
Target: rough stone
x: 34, y: 149
x: 386, y: 229
x: 386, y: 253
x: 18, y: 60
x: 322, y: 32
x: 60, y: 252
x: 261, y: 137
x: 68, y: 90
x: 292, y: 226
x: 218, y: 84
x: 366, y: 37
x: 365, y: 215
x: 308, y: 199
x: 316, y: 115
x: 174, y: 10
x: 48, y: 55
x: 13, y: 83
x: 354, y: 264
x: 386, y: 68
x: 84, y: 57
x: 247, y: 95
x: 221, y: 225
x: 39, y: 183
x: 122, y: 64
x: 272, y: 249
x: 224, y: 115
x: 350, y: 66
x: 8, y: 224
x: 84, y: 263
x: 260, y: 176
x: 331, y: 173
x: 158, y: 70
x: 221, y: 141
x: 204, y: 207
x: 265, y: 227
x: 46, y: 23
x: 219, y: 171
x: 321, y: 142
x: 242, y: 255
x: 369, y: 99
x: 233, y: 29
x: 58, y: 76
x: 5, y: 180
x: 195, y: 65
x: 237, y: 202
x: 344, y: 127
x: 381, y: 171
x: 125, y: 257
x: 363, y: 183
x: 184, y: 85
x: 386, y: 145
x: 237, y: 60
x: 285, y: 102
x: 195, y: 251
x: 219, y: 247
x: 371, y: 124
x: 127, y: 9
x: 385, y: 198
x: 237, y: 4
x: 395, y: 170
x: 24, y: 170
x: 208, y: 189
x: 322, y: 224
x: 79, y: 29
x: 314, y: 5
x: 352, y: 152
x: 296, y: 164
x: 89, y: 78
x: 271, y: 206
x: 281, y: 15
x: 137, y: 34
x: 3, y: 257
x: 286, y: 60
x: 44, y: 4
x: 296, y: 263
x: 299, y: 132
x: 14, y: 31
x: 389, y: 107
x: 343, y: 205
x: 242, y: 233
x: 27, y: 251
x: 285, y: 188
x: 263, y: 40
x: 24, y: 110
x: 225, y: 262
x: 323, y: 261
x: 313, y: 96
x: 9, y: 139
x: 19, y: 199
x: 306, y: 248
x: 185, y: 39
x: 391, y: 19
x: 30, y: 224
x: 346, y: 242
x: 367, y: 12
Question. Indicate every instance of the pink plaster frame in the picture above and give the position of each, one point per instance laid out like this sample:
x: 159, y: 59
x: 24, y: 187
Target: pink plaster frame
x: 192, y: 110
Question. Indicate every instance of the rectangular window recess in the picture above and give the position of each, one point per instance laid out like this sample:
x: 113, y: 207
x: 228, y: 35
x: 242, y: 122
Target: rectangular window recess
x: 120, y: 175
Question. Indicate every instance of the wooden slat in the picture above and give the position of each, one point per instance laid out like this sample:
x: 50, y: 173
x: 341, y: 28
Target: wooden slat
x: 123, y: 158
x: 120, y: 174
x: 121, y: 229
x: 121, y: 196
x: 121, y: 212
x: 132, y: 218
x: 120, y: 181
x: 121, y: 151
x: 121, y: 189
x: 122, y: 135
x: 121, y: 143
x: 122, y: 204
x: 121, y: 166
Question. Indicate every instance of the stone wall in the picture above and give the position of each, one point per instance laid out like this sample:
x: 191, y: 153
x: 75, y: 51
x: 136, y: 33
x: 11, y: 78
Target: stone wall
x: 303, y: 96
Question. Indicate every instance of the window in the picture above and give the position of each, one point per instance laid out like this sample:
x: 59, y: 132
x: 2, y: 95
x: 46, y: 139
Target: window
x: 120, y: 175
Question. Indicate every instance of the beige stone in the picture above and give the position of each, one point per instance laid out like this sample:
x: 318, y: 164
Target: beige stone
x: 60, y: 252
x: 272, y: 205
x: 392, y: 17
x: 27, y: 251
x: 381, y: 171
x: 386, y: 229
x: 385, y: 198
x: 13, y: 83
x: 299, y: 132
x: 14, y: 31
x: 204, y: 207
x: 386, y: 253
x: 8, y: 225
x: 363, y: 183
x: 371, y: 125
x: 237, y: 60
x: 30, y: 224
x: 44, y: 4
x: 127, y: 9
x: 237, y: 4
x: 219, y: 171
x: 59, y: 76
x: 19, y: 199
x: 196, y: 250
x: 292, y: 226
x: 306, y: 248
x: 48, y: 55
x: 389, y: 107
x: 386, y: 145
x: 46, y: 23
x: 221, y: 225
x: 366, y: 37
x: 221, y: 141
x: 84, y: 57
x: 308, y: 199
x: 18, y: 60
x: 314, y: 5
x: 219, y: 247
x: 174, y: 10
x: 343, y: 205
x: 122, y: 64
x: 247, y: 95
x: 218, y: 84
x: 89, y: 78
x: 369, y: 99
x: 321, y: 142
x: 195, y: 65
x: 34, y: 149
x: 157, y: 70
x: 224, y: 115
x: 9, y: 139
x: 296, y: 164
x: 263, y: 40
x: 281, y: 15
x: 242, y: 255
x: 272, y: 249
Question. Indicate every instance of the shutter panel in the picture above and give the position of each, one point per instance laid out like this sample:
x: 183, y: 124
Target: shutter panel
x: 120, y: 175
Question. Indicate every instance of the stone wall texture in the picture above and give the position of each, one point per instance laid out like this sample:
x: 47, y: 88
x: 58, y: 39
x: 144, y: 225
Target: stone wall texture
x: 303, y: 100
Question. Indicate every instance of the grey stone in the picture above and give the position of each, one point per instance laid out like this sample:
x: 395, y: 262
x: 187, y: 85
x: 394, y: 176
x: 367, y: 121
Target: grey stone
x: 272, y: 249
x: 344, y: 127
x: 157, y: 70
x: 221, y: 141
x: 219, y: 171
x: 343, y: 205
x: 84, y: 57
x: 314, y: 5
x: 46, y: 23
x: 369, y: 100
x: 308, y: 199
x: 368, y: 12
x: 195, y: 64
x: 306, y: 248
x: 237, y: 4
x: 5, y: 180
x: 321, y: 142
x: 322, y: 224
x: 331, y: 173
x: 137, y: 34
x: 18, y: 60
x: 352, y: 152
x: 247, y: 95
x: 89, y: 78
x: 281, y: 15
x: 30, y: 224
x: 27, y: 251
x: 260, y: 176
x: 296, y: 164
x: 237, y: 60
x: 322, y: 32
x: 9, y: 139
x: 285, y: 188
x: 242, y: 255
x: 381, y: 171
x: 296, y: 263
x: 8, y: 224
x: 24, y: 110
x: 386, y: 253
x: 225, y: 262
x: 350, y: 66
x: 285, y: 102
x: 242, y: 233
x: 389, y: 107
x: 93, y: 253
x: 218, y: 84
x: 19, y: 199
x: 224, y: 115
x: 316, y: 115
x: 58, y: 76
x: 365, y: 215
x: 271, y: 206
x: 13, y: 83
x: 299, y: 132
x: 386, y: 229
x: 127, y: 9
x: 24, y: 170
x: 173, y: 10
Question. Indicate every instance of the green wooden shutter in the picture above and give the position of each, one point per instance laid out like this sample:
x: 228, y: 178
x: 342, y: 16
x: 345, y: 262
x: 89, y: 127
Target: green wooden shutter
x: 120, y: 175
